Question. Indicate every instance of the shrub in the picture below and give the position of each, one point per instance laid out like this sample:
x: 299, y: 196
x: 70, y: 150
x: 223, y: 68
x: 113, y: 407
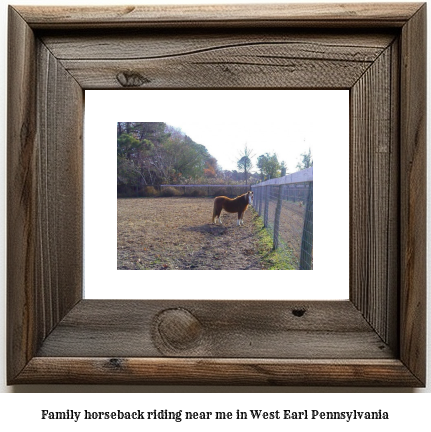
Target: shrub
x: 170, y: 192
x: 198, y: 193
x: 126, y: 191
x: 222, y: 192
x: 150, y: 191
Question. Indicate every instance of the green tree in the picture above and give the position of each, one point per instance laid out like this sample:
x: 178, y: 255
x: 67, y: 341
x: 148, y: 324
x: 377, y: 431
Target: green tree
x: 155, y: 153
x: 269, y: 166
x: 184, y: 159
x: 128, y: 151
x: 306, y: 162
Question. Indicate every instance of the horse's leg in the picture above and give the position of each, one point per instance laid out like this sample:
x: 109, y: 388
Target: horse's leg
x: 242, y: 216
x: 238, y: 222
x: 216, y: 214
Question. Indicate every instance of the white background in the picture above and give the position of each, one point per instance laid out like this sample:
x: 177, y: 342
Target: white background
x: 321, y: 118
x: 23, y: 410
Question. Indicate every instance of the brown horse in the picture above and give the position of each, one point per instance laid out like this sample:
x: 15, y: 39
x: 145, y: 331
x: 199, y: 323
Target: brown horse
x: 236, y: 205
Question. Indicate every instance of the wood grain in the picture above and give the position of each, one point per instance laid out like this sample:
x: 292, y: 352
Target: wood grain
x: 139, y: 45
x: 373, y: 194
x: 21, y: 194
x: 376, y: 338
x: 267, y: 15
x: 44, y: 193
x: 197, y: 371
x: 241, y: 329
x: 213, y: 60
x: 59, y: 180
x: 413, y: 194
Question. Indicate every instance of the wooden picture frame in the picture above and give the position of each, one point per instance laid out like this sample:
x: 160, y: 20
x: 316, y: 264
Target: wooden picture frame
x: 376, y: 338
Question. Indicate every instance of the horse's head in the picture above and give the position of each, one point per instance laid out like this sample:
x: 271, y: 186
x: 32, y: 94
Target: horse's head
x: 250, y: 197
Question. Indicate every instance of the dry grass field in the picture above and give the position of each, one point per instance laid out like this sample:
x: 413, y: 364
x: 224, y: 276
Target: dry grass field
x: 177, y: 233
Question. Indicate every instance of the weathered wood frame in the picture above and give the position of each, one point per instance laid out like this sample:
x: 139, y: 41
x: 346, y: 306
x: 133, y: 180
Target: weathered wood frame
x: 376, y: 338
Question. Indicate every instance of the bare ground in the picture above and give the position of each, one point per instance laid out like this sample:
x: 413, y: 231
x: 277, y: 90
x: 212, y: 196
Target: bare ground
x: 177, y: 233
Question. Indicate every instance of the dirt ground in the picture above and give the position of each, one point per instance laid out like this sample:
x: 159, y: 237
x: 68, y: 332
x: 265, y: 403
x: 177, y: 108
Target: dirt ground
x: 177, y: 234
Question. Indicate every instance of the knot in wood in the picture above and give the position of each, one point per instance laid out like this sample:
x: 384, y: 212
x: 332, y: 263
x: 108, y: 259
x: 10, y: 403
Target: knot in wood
x: 178, y: 329
x: 298, y: 312
x: 131, y: 79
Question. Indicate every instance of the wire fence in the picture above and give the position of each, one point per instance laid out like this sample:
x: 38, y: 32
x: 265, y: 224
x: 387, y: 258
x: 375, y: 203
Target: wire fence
x: 203, y: 190
x: 286, y: 206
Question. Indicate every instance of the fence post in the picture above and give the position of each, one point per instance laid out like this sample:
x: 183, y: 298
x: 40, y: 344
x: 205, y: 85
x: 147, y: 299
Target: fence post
x: 265, y: 216
x: 277, y: 215
x: 307, y: 233
x: 260, y: 200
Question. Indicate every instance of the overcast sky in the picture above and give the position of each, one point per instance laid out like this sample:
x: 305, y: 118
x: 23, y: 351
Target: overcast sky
x: 285, y: 122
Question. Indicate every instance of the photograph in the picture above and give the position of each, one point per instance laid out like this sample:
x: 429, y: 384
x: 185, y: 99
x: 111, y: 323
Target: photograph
x: 179, y: 209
